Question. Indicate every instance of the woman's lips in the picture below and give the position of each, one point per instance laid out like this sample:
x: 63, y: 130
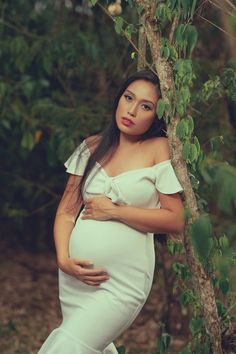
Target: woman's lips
x: 127, y: 122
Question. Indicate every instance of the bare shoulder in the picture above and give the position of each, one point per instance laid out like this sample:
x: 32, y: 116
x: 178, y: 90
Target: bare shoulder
x: 159, y: 148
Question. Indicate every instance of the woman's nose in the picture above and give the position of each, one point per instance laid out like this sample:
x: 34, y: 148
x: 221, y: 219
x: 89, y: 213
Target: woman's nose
x: 132, y: 110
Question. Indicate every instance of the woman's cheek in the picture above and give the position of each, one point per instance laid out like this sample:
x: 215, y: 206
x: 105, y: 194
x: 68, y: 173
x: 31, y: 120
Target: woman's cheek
x: 144, y: 126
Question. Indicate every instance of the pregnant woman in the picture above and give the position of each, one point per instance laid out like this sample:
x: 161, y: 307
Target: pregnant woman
x: 126, y: 187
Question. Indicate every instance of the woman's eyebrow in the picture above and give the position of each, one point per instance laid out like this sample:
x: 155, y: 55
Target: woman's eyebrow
x: 142, y: 99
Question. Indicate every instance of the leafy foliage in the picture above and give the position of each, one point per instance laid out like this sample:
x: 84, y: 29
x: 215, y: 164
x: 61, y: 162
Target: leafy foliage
x: 56, y: 73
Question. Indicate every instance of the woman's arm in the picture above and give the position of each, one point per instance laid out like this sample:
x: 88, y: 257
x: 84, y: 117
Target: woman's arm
x: 154, y: 220
x: 66, y: 214
x: 168, y: 219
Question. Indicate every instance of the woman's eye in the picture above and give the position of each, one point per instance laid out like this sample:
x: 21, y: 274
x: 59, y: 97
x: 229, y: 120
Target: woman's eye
x: 146, y: 107
x: 128, y: 98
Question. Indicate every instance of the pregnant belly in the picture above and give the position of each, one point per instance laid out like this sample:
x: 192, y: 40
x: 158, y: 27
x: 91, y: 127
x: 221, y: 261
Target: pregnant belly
x: 108, y: 242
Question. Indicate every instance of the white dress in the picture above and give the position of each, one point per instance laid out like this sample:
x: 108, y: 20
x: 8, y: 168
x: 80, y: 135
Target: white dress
x: 94, y: 317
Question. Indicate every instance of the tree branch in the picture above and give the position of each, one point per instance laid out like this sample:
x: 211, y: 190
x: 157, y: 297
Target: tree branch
x: 221, y: 29
x: 128, y: 39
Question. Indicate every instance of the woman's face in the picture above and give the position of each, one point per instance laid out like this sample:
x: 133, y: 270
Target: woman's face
x: 136, y: 109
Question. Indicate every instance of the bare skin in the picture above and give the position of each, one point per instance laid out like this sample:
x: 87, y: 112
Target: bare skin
x: 138, y: 103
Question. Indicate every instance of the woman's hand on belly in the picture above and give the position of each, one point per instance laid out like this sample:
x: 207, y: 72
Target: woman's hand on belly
x: 78, y: 268
x: 99, y: 208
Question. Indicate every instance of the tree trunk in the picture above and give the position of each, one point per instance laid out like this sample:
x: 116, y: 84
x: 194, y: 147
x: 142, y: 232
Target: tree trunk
x: 201, y: 280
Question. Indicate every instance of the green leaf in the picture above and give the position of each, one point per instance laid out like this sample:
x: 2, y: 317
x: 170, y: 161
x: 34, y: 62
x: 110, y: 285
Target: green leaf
x: 47, y: 64
x: 174, y: 247
x: 193, y: 153
x: 201, y: 231
x: 131, y: 28
x: 160, y: 108
x: 186, y: 151
x: 182, y: 129
x: 93, y: 2
x: 179, y: 36
x: 181, y: 270
x: 3, y: 88
x: 215, y: 142
x: 11, y: 325
x: 194, y: 3
x: 173, y: 4
x: 163, y: 343
x: 186, y: 7
x: 130, y: 2
x: 185, y: 93
x: 166, y: 52
x: 170, y: 246
x: 220, y: 308
x: 180, y: 108
x: 196, y: 142
x: 118, y: 24
x: 191, y: 126
x: 140, y: 9
x: 191, y: 37
x: 224, y: 242
x: 162, y: 47
x: 187, y: 297
x: 223, y: 176
x: 195, y: 325
x: 132, y: 55
x: 183, y: 72
x: 27, y: 141
x: 224, y: 286
x: 173, y: 53
x: 223, y: 267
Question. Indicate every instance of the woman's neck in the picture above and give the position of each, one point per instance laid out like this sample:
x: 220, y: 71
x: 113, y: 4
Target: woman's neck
x: 128, y: 140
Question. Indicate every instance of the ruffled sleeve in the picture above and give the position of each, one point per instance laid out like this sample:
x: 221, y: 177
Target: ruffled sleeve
x: 166, y: 180
x: 77, y: 162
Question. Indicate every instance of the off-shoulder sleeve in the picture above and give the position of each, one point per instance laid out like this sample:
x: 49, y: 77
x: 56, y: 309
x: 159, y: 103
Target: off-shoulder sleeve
x: 77, y: 162
x: 166, y: 180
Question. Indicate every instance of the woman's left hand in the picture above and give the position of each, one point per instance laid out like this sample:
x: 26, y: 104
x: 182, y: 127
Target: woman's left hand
x: 99, y: 208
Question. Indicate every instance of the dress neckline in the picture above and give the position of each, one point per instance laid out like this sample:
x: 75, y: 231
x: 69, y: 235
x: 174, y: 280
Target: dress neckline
x: 128, y: 171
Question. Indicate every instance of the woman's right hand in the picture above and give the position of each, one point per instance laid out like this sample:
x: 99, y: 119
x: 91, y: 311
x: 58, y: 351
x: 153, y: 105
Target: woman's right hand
x: 78, y: 268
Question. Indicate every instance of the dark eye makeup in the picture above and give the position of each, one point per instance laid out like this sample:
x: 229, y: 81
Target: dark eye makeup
x: 146, y: 107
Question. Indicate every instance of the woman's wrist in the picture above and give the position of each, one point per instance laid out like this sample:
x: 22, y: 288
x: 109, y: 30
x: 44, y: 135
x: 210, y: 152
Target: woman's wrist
x: 117, y: 212
x: 62, y: 260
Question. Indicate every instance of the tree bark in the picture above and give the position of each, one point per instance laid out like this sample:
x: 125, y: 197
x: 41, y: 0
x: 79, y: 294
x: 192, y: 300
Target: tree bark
x: 142, y: 43
x: 201, y: 280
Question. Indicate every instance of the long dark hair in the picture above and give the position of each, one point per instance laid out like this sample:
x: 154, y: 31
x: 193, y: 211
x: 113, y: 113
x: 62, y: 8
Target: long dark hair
x: 108, y: 140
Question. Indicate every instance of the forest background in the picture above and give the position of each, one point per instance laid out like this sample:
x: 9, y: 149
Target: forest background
x: 61, y: 63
